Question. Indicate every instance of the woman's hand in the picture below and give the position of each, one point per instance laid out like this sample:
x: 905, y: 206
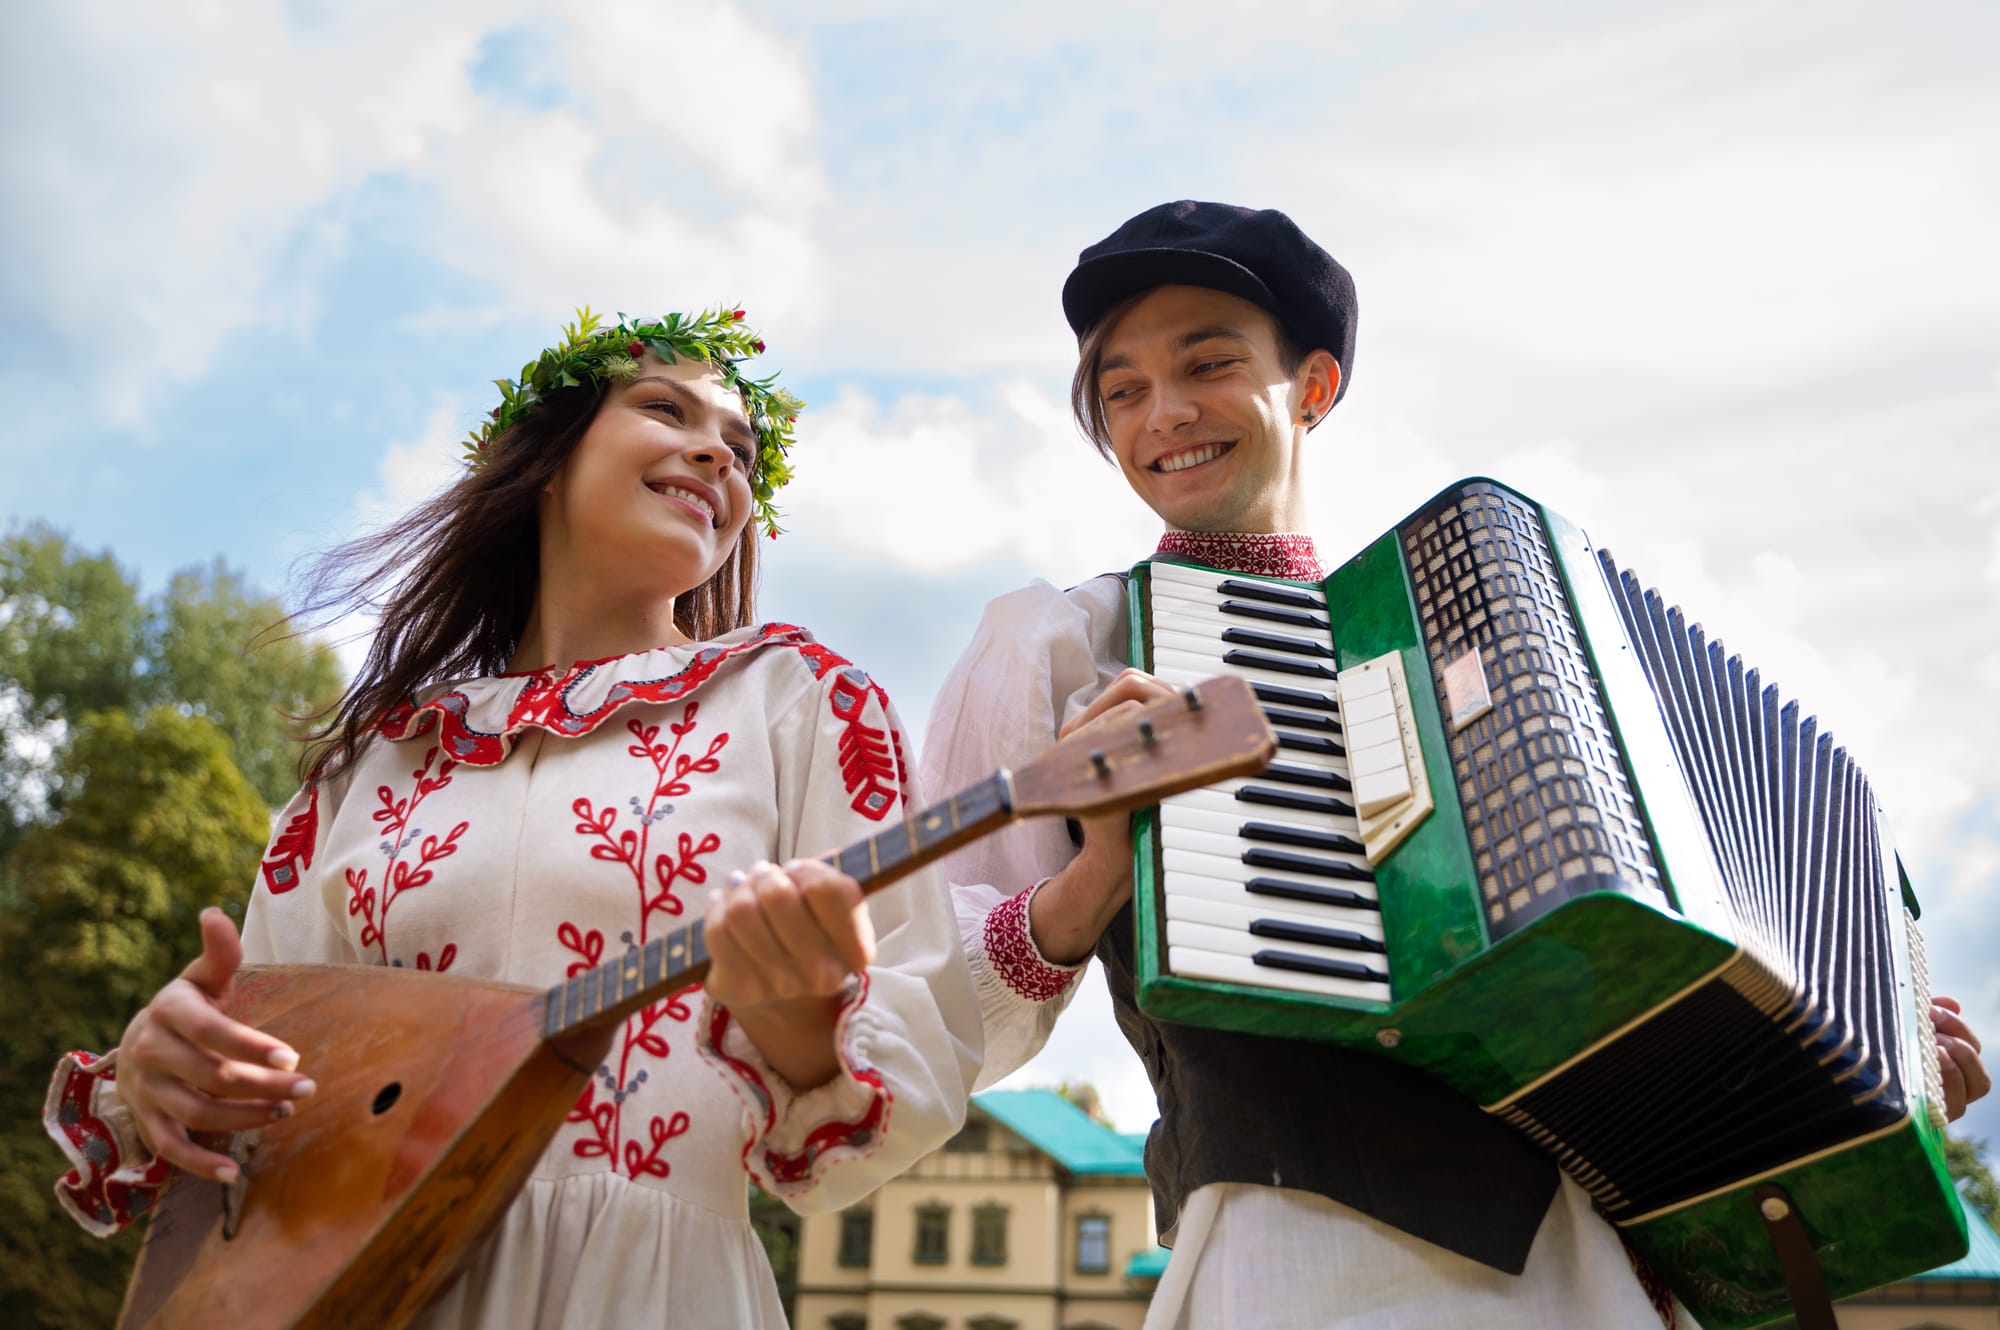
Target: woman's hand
x: 1070, y: 912
x: 184, y: 1066
x: 781, y: 943
x: 1965, y: 1076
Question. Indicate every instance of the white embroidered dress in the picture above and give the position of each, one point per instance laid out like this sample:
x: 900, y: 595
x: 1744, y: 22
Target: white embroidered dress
x: 525, y: 827
x: 1262, y: 1258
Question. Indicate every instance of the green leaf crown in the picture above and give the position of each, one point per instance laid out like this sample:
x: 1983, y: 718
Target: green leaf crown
x: 592, y: 354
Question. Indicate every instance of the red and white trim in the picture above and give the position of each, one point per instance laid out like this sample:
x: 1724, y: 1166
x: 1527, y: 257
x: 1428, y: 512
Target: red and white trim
x: 111, y: 1182
x: 1011, y: 954
x: 843, y: 1119
x: 1279, y: 554
x: 547, y: 698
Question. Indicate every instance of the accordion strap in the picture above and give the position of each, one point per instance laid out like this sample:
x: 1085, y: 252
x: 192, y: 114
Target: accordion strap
x: 1811, y: 1308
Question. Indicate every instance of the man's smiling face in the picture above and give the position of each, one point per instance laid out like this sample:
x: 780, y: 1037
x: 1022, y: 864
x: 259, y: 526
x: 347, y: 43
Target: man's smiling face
x: 1201, y: 411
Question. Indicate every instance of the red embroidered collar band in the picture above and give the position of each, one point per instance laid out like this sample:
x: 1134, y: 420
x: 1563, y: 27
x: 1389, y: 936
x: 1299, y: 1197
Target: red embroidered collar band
x: 1273, y: 555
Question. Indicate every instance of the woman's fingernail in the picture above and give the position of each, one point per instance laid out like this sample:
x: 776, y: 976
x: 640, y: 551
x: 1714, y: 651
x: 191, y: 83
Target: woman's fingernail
x: 284, y: 1059
x: 227, y: 1175
x: 303, y: 1086
x: 279, y: 1112
x: 738, y: 877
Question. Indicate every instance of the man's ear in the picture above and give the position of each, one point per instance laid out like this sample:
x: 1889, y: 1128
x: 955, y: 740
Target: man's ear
x: 1318, y: 383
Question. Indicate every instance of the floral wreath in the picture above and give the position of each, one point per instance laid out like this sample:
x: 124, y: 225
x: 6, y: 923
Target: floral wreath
x: 592, y: 354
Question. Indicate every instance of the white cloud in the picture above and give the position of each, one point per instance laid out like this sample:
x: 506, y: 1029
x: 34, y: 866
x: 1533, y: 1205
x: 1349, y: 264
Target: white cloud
x: 205, y: 152
x: 942, y: 484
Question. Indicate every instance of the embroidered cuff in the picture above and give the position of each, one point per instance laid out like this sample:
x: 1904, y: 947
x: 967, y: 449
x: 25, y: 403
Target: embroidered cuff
x: 114, y: 1180
x: 794, y: 1137
x: 1012, y: 959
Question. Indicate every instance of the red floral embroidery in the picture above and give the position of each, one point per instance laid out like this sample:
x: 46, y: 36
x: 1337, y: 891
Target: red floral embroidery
x: 545, y: 698
x: 1271, y: 555
x: 858, y: 1134
x: 291, y: 851
x: 866, y: 766
x: 655, y: 877
x: 92, y: 1190
x: 400, y: 874
x: 1010, y: 950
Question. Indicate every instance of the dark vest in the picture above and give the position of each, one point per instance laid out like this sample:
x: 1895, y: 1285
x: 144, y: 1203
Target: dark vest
x: 1361, y: 1130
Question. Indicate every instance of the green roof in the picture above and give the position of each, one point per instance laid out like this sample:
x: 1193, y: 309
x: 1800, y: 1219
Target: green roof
x: 1064, y: 1132
x: 1982, y: 1262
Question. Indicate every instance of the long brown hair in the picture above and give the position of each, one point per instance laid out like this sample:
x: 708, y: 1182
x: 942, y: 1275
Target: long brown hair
x: 455, y: 579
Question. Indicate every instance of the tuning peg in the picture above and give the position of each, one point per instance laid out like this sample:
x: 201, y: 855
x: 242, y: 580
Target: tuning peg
x: 1146, y: 734
x: 1103, y: 767
x: 1193, y: 699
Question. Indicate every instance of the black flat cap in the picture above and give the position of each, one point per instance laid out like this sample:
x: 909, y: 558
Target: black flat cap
x: 1260, y: 255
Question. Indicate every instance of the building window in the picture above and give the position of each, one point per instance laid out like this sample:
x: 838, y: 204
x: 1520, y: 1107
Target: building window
x: 857, y: 1237
x: 971, y: 1140
x: 933, y: 1222
x: 919, y: 1321
x: 1093, y: 1244
x: 990, y: 1322
x: 989, y: 1235
x: 847, y: 1321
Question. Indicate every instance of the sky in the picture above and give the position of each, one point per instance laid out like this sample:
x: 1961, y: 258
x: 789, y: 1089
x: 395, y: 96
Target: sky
x: 1715, y: 280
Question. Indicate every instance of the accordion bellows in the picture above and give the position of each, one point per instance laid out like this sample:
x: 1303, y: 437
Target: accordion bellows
x: 1654, y: 921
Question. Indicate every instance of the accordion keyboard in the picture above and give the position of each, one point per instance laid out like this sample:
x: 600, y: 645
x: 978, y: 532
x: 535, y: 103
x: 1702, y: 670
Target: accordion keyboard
x: 1265, y: 879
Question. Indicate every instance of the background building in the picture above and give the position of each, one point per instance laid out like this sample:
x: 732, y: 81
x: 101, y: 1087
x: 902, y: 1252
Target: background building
x: 1034, y: 1217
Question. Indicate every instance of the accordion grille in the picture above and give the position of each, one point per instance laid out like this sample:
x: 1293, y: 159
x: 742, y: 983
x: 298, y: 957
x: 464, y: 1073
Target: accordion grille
x: 1548, y: 806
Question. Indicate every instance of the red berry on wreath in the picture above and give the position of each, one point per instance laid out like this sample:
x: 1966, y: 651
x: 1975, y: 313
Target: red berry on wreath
x: 637, y: 349
x: 757, y: 345
x: 736, y: 315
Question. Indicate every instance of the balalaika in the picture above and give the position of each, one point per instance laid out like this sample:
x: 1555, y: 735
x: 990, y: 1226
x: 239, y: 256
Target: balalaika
x: 1653, y: 918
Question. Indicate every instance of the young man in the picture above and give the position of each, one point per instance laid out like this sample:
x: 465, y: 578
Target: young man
x: 1299, y: 1184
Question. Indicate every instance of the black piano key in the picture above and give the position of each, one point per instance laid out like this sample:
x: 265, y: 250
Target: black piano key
x: 1319, y: 780
x: 1327, y: 965
x: 1273, y: 694
x: 1276, y: 614
x: 1285, y: 930
x: 1299, y: 720
x: 1309, y: 864
x: 1275, y: 593
x: 1311, y: 743
x: 1317, y: 892
x: 1310, y: 837
x: 1269, y: 641
x: 1264, y: 660
x: 1277, y: 796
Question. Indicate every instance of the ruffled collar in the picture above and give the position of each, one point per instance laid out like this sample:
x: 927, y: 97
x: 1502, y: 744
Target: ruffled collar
x: 478, y: 721
x: 1281, y: 554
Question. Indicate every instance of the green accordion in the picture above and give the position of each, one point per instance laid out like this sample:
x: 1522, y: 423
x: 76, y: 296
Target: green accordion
x: 1531, y: 831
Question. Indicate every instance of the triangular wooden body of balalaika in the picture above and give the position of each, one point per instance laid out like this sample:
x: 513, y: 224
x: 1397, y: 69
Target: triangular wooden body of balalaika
x: 436, y: 1097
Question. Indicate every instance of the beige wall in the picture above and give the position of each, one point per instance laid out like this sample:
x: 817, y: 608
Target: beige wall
x: 1037, y: 1287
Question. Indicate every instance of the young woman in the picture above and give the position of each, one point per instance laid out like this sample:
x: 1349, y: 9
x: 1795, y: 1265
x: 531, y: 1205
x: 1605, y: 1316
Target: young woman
x: 565, y: 736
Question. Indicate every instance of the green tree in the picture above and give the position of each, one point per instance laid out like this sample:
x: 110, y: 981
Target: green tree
x: 157, y: 823
x: 211, y: 653
x: 1965, y: 1156
x: 72, y: 635
x: 76, y: 636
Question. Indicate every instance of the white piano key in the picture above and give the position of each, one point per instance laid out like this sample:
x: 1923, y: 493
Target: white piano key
x: 1193, y: 886
x: 1196, y: 963
x: 1241, y: 910
x: 1230, y: 866
x: 1216, y: 800
x: 1182, y: 664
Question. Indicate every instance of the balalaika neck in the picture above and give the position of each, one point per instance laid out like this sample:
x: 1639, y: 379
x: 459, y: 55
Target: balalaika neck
x: 644, y: 974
